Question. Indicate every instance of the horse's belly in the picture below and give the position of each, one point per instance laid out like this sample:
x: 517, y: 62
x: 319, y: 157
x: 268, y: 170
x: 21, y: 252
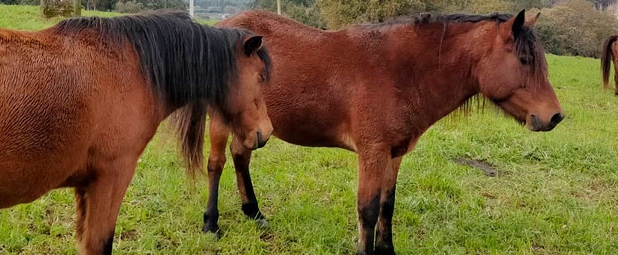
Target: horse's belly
x: 309, y: 116
x: 313, y: 131
x: 40, y: 148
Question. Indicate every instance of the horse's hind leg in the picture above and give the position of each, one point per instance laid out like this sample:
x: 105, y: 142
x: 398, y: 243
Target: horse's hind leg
x: 242, y: 158
x: 373, y: 162
x: 216, y: 162
x: 98, y: 204
x: 384, y: 231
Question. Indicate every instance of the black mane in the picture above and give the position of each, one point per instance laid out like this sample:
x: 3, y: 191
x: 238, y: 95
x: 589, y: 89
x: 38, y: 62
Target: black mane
x: 454, y: 18
x: 183, y: 60
x: 527, y: 44
x: 188, y: 65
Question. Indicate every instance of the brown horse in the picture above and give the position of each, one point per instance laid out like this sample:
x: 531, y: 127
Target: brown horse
x: 374, y: 89
x: 610, y: 54
x: 80, y: 101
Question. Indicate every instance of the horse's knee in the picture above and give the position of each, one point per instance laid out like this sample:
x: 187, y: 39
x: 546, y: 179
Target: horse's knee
x: 216, y: 164
x: 237, y: 148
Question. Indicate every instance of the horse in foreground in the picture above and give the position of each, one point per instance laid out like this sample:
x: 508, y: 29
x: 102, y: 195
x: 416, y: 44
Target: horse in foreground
x: 609, y: 55
x: 375, y: 89
x: 80, y: 101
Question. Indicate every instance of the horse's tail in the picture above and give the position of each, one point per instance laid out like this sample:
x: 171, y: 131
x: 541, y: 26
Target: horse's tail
x: 606, y: 58
x: 190, y: 122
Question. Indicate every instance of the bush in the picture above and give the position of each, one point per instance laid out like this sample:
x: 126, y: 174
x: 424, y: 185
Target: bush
x: 9, y: 2
x: 55, y: 8
x: 575, y: 28
x: 30, y: 2
x: 339, y: 13
x: 129, y: 7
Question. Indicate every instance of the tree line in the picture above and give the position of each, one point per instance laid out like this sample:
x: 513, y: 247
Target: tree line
x: 566, y: 27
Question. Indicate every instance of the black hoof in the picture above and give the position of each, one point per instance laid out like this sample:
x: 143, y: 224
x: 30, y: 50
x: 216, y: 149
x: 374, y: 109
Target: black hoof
x: 212, y: 230
x: 384, y: 251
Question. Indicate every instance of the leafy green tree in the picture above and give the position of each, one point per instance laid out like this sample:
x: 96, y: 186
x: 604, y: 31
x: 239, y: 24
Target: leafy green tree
x: 339, y: 13
x: 489, y: 6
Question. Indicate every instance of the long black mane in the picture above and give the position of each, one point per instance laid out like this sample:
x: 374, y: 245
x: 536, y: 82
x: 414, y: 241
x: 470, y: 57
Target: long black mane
x: 189, y: 65
x: 183, y: 60
x: 527, y: 44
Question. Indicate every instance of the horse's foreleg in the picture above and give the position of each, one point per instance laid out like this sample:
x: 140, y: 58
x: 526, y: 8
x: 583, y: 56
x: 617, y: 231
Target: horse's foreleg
x: 384, y: 231
x: 216, y: 162
x: 242, y: 158
x: 98, y: 204
x: 371, y: 167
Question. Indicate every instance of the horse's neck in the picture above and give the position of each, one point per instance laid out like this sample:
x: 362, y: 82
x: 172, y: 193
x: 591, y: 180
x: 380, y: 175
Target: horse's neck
x: 439, y: 66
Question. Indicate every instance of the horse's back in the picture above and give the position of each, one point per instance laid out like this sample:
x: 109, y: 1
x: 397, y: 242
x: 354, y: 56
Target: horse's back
x: 321, y: 79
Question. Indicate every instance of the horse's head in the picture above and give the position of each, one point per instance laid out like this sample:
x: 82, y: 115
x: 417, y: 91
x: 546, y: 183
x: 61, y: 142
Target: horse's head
x: 247, y: 109
x: 513, y: 75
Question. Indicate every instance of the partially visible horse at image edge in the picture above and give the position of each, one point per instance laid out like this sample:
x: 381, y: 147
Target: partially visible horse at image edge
x: 80, y: 101
x: 375, y: 89
x: 609, y: 55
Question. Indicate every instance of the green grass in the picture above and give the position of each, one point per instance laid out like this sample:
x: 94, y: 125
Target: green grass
x: 555, y: 192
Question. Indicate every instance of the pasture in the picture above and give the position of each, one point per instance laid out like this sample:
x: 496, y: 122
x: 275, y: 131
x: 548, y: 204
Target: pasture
x: 554, y: 193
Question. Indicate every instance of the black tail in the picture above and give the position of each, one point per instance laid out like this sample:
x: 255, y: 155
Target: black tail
x: 606, y: 59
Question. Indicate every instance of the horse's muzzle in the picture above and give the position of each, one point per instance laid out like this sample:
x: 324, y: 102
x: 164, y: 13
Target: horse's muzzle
x: 259, y: 140
x: 540, y: 125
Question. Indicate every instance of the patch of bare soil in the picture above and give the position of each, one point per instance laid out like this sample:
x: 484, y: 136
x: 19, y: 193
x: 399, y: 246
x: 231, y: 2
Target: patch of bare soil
x: 488, y: 169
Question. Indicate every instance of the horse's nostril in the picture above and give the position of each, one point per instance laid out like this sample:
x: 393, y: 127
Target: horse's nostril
x: 259, y: 139
x: 557, y: 118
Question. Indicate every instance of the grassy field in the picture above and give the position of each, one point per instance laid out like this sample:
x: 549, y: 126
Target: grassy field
x: 555, y: 193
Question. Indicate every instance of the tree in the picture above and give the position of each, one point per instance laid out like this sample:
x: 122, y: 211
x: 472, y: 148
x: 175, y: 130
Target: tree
x: 489, y: 6
x: 338, y: 13
x: 77, y: 7
x: 575, y: 28
x: 53, y: 8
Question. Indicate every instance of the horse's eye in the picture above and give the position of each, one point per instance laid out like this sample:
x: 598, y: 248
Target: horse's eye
x: 525, y: 60
x: 262, y: 79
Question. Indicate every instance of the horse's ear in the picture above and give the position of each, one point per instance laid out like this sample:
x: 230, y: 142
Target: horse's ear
x: 530, y: 22
x: 518, y: 23
x: 253, y: 44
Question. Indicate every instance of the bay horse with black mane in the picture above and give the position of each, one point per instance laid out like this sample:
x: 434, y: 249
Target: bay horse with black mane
x: 609, y: 55
x: 375, y: 89
x: 80, y: 101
